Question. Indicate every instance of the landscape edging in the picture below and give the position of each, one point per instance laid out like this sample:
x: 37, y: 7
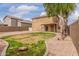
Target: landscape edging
x: 4, y: 50
x: 46, y: 52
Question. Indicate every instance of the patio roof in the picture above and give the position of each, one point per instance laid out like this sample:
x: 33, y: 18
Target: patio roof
x: 39, y: 17
x: 26, y: 21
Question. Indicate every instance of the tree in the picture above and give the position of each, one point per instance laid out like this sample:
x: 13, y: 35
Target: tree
x: 62, y: 11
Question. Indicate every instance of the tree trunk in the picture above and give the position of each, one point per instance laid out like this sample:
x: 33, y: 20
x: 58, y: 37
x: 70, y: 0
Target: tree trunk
x: 62, y: 25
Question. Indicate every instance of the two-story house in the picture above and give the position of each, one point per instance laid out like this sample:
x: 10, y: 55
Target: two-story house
x: 44, y: 23
x: 16, y: 22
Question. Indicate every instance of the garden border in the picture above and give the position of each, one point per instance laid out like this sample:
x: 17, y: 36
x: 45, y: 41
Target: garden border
x: 5, y: 48
x: 46, y: 52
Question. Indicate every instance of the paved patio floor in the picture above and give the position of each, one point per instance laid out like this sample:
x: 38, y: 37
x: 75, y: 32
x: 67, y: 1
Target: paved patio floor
x: 61, y: 47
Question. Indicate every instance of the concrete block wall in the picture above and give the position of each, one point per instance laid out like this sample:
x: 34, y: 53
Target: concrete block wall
x: 74, y: 33
x: 10, y: 29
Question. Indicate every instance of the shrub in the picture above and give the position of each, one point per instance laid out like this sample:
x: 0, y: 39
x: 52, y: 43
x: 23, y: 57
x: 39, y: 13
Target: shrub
x: 34, y: 49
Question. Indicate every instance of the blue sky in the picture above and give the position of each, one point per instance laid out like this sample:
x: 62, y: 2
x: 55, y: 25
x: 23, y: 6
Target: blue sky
x: 28, y: 11
x: 21, y: 10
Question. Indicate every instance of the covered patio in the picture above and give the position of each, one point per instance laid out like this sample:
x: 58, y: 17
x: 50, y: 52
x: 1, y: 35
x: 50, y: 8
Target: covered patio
x: 49, y: 27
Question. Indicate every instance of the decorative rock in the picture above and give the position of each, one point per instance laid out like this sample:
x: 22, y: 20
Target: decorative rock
x: 22, y: 48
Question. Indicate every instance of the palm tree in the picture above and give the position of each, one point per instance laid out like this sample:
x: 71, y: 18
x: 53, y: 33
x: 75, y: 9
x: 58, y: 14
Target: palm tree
x: 62, y: 11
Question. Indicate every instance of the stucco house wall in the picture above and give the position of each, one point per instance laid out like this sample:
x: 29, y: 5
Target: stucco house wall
x: 11, y: 21
x: 19, y: 24
x: 16, y: 22
x: 39, y: 21
x: 7, y: 21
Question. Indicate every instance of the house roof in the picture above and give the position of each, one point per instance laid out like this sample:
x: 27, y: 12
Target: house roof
x: 16, y: 18
x: 39, y: 17
x: 12, y: 17
x: 26, y: 21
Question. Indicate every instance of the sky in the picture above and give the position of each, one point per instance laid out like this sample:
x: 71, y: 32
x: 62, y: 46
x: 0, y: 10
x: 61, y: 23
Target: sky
x: 27, y: 11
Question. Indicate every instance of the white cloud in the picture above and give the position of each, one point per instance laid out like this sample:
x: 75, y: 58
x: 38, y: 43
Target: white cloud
x: 43, y: 14
x: 26, y: 8
x: 23, y: 8
x: 19, y: 14
x: 76, y: 15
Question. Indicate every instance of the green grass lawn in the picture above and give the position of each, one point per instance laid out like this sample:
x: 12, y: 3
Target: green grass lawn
x: 35, y: 42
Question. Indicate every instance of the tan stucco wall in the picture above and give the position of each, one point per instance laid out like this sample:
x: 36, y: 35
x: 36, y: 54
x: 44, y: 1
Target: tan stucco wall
x: 7, y: 21
x: 19, y: 24
x: 14, y: 22
x: 36, y: 23
x: 74, y: 33
x: 10, y: 22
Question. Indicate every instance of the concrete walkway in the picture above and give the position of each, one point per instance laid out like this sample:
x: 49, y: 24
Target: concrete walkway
x: 61, y: 47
